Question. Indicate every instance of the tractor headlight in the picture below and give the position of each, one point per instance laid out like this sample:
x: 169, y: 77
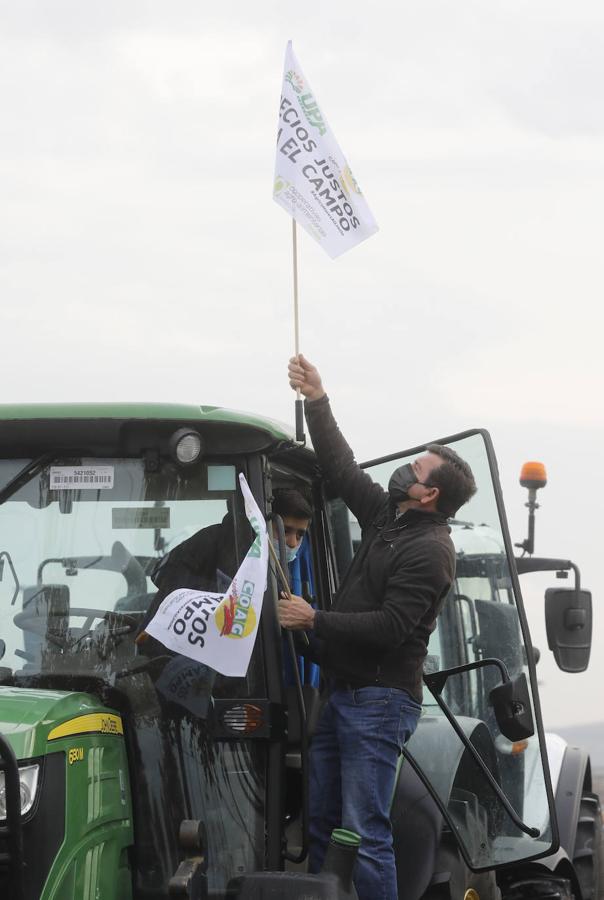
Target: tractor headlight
x: 28, y: 785
x: 186, y: 446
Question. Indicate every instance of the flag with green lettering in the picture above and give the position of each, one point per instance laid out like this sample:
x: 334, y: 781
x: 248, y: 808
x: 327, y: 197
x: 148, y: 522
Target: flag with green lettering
x: 313, y: 181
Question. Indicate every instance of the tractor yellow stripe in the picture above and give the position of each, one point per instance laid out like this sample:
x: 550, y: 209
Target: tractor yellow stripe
x: 102, y: 723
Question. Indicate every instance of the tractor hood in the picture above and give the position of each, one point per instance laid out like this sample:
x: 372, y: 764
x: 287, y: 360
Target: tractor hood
x: 28, y: 716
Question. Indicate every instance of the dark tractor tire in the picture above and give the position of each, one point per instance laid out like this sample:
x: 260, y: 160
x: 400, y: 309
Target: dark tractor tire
x: 586, y: 854
x: 459, y: 883
x: 547, y: 887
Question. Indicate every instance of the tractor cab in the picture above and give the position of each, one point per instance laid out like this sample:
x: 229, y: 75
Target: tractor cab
x: 133, y: 773
x: 133, y: 738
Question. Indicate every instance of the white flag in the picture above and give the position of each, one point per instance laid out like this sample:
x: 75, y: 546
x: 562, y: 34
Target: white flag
x: 313, y: 181
x: 219, y: 630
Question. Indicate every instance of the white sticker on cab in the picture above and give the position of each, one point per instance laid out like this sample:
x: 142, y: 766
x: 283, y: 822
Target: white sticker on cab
x: 81, y: 478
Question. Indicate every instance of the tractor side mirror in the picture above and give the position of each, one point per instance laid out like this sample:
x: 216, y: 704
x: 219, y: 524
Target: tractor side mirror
x: 511, y: 703
x: 568, y: 620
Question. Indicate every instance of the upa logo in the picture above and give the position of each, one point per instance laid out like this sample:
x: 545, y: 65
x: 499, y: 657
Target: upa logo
x: 296, y: 81
x: 311, y: 110
x: 236, y: 617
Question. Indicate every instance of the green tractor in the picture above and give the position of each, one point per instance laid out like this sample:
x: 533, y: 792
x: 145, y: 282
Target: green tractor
x: 130, y: 773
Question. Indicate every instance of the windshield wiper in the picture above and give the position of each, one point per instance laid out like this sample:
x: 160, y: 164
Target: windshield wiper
x: 25, y: 474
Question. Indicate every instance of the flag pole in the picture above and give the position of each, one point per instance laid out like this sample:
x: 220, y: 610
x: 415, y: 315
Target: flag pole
x: 285, y: 580
x: 300, y: 436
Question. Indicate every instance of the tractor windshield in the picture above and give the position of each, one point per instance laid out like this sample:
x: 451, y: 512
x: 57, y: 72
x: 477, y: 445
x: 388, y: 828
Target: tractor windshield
x: 79, y: 544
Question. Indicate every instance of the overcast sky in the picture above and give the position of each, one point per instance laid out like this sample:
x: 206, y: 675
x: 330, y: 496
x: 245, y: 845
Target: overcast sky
x: 142, y: 257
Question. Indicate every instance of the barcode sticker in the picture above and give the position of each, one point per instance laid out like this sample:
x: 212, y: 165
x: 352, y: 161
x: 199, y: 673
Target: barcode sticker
x: 81, y: 478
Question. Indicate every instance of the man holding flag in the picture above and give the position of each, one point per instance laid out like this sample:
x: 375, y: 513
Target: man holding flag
x: 373, y: 641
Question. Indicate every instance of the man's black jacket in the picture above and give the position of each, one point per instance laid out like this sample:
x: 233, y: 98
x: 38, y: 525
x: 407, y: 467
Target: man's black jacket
x: 385, y: 610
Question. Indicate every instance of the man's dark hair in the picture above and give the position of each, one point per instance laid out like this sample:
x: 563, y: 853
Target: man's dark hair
x: 288, y: 502
x: 453, y: 478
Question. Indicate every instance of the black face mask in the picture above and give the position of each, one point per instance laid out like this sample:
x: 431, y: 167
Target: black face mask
x: 400, y: 482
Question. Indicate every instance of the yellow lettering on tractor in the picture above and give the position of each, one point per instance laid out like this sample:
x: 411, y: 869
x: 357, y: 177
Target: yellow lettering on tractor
x: 75, y: 754
x: 101, y: 723
x: 109, y: 725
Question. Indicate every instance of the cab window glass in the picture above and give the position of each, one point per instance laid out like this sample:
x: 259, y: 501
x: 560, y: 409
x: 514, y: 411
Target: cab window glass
x: 84, y: 556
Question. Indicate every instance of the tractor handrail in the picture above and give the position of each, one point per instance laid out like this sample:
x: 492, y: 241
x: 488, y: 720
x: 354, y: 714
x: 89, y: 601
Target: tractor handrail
x: 301, y: 856
x: 436, y: 681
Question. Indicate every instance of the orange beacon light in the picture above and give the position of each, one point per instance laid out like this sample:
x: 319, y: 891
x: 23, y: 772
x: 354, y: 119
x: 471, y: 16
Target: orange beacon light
x: 532, y: 476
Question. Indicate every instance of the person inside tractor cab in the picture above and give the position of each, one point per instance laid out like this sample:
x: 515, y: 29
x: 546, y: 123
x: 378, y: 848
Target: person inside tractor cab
x: 296, y: 513
x: 208, y: 560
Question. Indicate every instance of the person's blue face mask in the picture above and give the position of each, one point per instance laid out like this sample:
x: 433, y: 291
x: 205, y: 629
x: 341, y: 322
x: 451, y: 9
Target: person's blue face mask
x: 290, y: 552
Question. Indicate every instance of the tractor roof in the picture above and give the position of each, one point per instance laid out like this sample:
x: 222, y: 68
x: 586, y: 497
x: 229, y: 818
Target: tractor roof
x: 177, y: 412
x: 106, y: 427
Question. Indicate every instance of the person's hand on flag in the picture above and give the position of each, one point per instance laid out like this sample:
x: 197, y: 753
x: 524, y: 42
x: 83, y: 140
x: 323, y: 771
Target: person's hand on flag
x: 295, y: 613
x: 305, y: 377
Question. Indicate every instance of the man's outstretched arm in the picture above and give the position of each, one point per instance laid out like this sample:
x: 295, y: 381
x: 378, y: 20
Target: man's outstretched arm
x: 360, y: 493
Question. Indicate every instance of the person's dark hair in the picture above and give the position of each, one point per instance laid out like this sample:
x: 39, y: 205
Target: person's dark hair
x: 288, y: 502
x: 453, y: 478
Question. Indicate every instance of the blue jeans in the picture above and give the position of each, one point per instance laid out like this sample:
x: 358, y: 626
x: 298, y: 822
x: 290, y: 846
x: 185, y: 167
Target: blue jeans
x: 353, y: 759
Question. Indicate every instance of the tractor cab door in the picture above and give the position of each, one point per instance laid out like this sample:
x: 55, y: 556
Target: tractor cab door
x: 479, y: 746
